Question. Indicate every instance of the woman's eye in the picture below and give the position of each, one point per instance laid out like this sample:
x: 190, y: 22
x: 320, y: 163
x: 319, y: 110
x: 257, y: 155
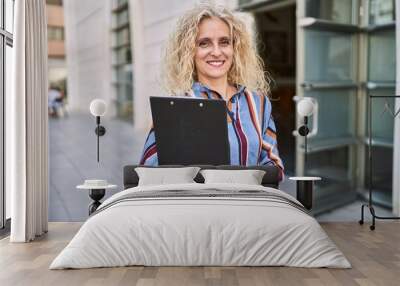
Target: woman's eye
x: 225, y: 43
x: 203, y: 44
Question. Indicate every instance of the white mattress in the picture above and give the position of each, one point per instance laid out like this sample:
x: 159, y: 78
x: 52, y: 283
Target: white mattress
x: 200, y: 231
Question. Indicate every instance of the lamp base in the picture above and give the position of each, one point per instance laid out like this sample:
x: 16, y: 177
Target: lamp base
x: 96, y: 195
x: 304, y: 193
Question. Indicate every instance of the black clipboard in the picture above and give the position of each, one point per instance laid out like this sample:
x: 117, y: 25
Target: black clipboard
x: 190, y: 131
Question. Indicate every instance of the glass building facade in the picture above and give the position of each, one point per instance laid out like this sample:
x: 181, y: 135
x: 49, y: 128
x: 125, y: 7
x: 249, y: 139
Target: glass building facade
x: 337, y: 52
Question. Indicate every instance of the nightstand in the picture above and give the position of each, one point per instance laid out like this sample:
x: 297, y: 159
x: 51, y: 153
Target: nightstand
x: 304, y: 190
x: 97, y: 190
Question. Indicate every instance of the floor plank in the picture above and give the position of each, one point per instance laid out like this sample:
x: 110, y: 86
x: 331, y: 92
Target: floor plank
x: 374, y: 255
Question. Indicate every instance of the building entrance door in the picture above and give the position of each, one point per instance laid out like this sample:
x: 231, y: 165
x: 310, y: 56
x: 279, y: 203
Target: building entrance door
x: 276, y: 29
x: 327, y: 64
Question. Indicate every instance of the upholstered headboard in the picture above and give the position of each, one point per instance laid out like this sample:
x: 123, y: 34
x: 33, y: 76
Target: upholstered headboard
x: 270, y: 179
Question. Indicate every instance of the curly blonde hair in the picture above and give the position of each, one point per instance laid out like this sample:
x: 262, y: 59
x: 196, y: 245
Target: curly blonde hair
x: 178, y: 67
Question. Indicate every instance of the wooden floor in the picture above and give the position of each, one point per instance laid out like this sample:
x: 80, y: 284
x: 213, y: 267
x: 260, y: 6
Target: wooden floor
x: 375, y: 257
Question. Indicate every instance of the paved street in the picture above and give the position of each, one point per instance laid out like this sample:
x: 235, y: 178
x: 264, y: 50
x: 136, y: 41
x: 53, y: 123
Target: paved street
x: 73, y: 159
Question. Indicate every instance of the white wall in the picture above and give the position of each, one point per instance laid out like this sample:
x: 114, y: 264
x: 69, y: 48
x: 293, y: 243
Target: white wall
x: 396, y: 143
x: 88, y: 50
x: 152, y: 22
x: 56, y: 70
x: 88, y: 53
x: 88, y: 47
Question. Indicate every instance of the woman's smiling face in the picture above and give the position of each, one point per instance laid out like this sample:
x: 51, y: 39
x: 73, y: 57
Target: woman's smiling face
x: 214, y: 49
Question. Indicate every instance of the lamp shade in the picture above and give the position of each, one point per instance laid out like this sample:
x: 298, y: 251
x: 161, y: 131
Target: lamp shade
x: 305, y: 107
x: 98, y: 107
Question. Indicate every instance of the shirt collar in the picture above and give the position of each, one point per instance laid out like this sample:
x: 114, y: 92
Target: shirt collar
x: 199, y: 88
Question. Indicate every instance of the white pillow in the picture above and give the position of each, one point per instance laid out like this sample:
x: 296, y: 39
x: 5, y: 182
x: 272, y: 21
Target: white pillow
x: 163, y: 176
x: 248, y: 177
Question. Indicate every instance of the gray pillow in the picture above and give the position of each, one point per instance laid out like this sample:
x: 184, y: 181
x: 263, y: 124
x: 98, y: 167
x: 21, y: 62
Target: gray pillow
x: 163, y: 176
x: 248, y: 177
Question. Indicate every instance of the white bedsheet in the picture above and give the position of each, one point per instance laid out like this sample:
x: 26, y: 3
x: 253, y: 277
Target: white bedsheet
x: 200, y: 231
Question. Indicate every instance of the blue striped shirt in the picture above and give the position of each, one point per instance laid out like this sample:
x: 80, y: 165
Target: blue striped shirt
x: 251, y: 129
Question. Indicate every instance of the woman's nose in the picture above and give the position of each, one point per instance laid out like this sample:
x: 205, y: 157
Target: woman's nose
x: 216, y: 51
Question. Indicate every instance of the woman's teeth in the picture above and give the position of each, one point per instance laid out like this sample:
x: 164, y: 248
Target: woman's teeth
x: 215, y: 63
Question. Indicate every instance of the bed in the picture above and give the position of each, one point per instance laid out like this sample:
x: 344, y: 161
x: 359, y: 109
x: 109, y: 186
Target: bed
x: 198, y: 224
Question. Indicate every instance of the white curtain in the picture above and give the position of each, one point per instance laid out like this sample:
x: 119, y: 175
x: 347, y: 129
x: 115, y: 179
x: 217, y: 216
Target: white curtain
x: 396, y: 143
x: 27, y: 124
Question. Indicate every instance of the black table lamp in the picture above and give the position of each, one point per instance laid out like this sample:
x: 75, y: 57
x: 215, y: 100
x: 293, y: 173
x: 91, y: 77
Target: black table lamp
x: 98, y: 108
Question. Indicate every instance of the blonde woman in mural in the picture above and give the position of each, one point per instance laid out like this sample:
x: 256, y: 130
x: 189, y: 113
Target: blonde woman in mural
x: 211, y: 55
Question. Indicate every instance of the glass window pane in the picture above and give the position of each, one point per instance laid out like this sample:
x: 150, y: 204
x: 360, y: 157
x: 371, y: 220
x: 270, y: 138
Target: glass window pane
x: 329, y: 56
x: 1, y: 16
x: 121, y: 18
x: 54, y: 2
x: 382, y: 174
x: 333, y: 10
x: 381, y: 12
x: 60, y: 35
x: 332, y: 165
x: 2, y: 139
x: 55, y: 33
x: 122, y: 60
x: 124, y: 101
x: 118, y: 3
x: 124, y: 74
x: 8, y: 70
x: 50, y: 33
x: 335, y: 114
x: 382, y: 116
x: 9, y: 11
x: 382, y: 56
x: 123, y: 55
x: 8, y: 89
x: 121, y: 37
